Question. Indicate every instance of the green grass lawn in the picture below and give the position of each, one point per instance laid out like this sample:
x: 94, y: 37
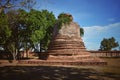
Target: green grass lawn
x: 108, y: 72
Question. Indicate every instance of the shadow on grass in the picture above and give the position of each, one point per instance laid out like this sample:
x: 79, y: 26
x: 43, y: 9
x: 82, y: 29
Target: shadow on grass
x: 53, y: 73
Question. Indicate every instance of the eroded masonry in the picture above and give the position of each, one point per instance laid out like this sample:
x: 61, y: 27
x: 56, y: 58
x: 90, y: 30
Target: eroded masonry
x: 67, y: 48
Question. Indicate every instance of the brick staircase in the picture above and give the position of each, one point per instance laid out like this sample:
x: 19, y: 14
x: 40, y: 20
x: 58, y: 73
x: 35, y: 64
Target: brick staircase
x: 70, y: 49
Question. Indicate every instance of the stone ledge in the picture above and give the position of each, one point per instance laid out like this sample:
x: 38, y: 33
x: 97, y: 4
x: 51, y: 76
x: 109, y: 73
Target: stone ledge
x: 67, y: 63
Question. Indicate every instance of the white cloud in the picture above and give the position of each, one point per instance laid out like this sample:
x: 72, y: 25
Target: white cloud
x: 94, y: 34
x: 114, y: 25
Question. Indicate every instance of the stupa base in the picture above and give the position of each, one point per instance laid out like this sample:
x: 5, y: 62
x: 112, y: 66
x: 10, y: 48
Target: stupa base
x: 62, y: 63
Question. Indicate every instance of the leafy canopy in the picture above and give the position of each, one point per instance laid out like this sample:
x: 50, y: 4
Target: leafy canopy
x: 21, y: 29
x: 108, y: 44
x: 36, y: 26
x: 81, y: 32
x: 64, y: 18
x: 5, y: 31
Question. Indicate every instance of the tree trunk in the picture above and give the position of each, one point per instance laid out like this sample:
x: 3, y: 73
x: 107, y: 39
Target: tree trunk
x: 40, y: 46
x: 27, y: 53
x: 15, y: 55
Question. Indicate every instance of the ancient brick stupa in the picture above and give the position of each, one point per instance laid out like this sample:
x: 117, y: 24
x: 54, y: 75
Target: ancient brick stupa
x: 67, y: 47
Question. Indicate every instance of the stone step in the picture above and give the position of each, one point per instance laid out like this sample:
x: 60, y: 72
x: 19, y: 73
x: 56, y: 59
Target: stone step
x: 73, y: 52
x: 65, y: 47
x: 80, y: 58
x: 66, y: 42
x: 62, y: 45
x: 68, y: 49
x: 66, y: 37
x: 66, y: 63
x: 67, y: 53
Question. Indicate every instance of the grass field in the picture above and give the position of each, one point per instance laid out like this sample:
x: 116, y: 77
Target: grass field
x: 108, y: 72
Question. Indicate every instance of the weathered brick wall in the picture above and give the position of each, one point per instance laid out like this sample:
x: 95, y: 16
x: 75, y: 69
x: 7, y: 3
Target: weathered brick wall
x: 22, y: 54
x: 105, y: 53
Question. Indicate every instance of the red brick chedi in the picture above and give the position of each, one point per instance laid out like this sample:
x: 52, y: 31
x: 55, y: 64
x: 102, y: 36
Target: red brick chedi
x: 68, y: 46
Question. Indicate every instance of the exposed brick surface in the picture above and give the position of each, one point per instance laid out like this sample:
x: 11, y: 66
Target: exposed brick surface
x: 67, y: 48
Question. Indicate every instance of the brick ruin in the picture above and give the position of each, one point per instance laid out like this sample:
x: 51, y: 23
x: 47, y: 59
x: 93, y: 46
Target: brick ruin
x: 67, y: 48
x: 67, y: 45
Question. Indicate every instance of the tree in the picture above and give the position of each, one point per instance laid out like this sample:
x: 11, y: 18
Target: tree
x: 64, y: 18
x: 35, y: 28
x: 12, y: 41
x: 11, y: 44
x: 50, y: 21
x: 81, y: 32
x: 108, y: 44
x: 7, y: 4
x: 26, y: 29
x: 5, y: 31
x: 21, y: 29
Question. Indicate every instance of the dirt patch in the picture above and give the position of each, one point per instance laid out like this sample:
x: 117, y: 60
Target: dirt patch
x: 108, y: 72
x: 53, y: 73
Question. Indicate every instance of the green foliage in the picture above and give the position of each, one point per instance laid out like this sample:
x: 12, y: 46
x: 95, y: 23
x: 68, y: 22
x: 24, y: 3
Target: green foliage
x: 37, y: 36
x: 41, y: 24
x: 11, y: 43
x: 63, y: 19
x: 5, y: 31
x: 21, y: 29
x: 34, y: 27
x: 49, y: 22
x: 108, y: 44
x: 81, y: 32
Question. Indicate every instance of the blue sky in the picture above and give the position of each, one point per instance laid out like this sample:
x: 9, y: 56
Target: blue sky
x: 99, y: 18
